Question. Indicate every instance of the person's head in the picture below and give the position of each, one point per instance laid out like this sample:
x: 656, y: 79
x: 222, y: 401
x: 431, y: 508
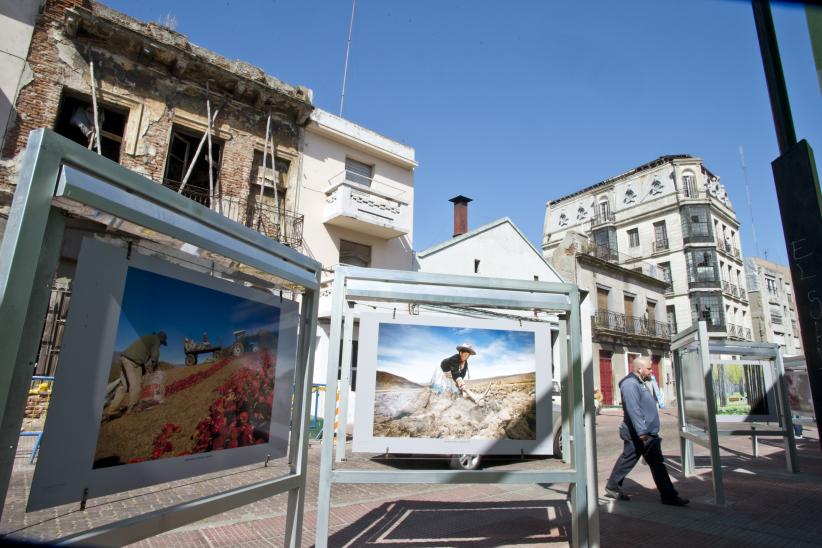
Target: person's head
x: 163, y: 338
x: 642, y: 367
x: 465, y: 350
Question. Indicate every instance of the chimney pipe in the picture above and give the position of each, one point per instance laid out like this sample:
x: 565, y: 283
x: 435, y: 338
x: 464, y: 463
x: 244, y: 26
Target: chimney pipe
x: 460, y: 214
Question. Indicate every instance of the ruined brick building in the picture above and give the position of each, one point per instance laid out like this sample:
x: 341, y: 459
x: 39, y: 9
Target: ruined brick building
x: 337, y: 192
x: 152, y: 87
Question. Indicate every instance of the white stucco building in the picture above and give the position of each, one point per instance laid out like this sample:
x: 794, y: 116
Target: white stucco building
x: 672, y: 218
x: 356, y: 192
x: 773, y: 305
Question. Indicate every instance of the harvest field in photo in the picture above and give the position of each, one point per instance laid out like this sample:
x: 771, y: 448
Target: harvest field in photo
x: 223, y: 401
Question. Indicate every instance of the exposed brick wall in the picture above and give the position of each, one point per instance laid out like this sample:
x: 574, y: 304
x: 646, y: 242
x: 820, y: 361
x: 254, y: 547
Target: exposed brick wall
x: 60, y: 62
x: 37, y: 102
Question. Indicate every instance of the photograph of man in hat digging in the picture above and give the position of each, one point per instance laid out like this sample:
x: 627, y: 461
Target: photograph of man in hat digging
x: 457, y: 367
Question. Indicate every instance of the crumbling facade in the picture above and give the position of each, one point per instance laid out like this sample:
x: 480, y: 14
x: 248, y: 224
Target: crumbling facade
x: 153, y: 89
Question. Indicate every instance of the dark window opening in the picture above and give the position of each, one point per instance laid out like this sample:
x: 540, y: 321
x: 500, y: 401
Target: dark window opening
x: 355, y: 254
x: 75, y: 121
x: 272, y: 203
x: 181, y: 155
x: 476, y: 266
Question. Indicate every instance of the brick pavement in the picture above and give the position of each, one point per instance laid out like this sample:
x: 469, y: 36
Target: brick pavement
x: 765, y: 505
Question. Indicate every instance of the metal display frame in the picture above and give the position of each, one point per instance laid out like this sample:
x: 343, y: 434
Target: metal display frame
x: 709, y: 436
x: 354, y: 284
x: 56, y: 171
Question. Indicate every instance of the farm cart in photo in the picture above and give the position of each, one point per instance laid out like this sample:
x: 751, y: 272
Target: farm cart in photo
x: 193, y: 349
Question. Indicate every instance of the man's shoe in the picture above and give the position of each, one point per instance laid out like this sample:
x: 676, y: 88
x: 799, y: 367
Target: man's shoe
x: 676, y: 501
x: 616, y: 494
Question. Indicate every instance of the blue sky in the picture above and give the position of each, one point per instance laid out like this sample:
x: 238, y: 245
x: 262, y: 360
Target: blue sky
x: 516, y: 103
x: 415, y: 351
x: 152, y: 303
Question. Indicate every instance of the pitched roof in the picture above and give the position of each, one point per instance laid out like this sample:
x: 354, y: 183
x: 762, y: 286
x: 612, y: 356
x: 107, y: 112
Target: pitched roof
x: 485, y: 228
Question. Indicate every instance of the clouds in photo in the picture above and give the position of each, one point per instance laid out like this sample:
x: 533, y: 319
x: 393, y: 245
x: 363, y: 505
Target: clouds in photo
x: 415, y: 351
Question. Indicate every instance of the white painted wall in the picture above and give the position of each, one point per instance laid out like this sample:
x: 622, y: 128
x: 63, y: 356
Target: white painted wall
x: 17, y: 18
x: 328, y: 141
x: 501, y: 251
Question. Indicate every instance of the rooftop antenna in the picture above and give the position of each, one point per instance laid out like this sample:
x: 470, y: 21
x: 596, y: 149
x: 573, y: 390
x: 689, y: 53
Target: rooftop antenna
x: 748, y: 195
x: 347, y: 51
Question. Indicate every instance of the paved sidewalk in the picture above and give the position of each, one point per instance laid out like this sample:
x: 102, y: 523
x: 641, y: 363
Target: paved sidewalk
x: 766, y: 506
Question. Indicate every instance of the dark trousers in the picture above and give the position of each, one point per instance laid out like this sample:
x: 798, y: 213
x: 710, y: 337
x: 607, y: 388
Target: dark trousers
x: 652, y: 451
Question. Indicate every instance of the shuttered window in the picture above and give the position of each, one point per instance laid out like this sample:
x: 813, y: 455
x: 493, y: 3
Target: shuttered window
x: 358, y: 172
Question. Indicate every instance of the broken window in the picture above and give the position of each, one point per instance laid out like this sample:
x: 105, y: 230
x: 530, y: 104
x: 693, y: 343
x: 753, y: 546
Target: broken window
x: 75, y: 121
x: 267, y: 213
x: 183, y: 156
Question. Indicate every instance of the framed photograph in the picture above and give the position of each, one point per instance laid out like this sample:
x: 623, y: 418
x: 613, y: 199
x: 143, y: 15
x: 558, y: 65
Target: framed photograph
x: 444, y: 385
x: 165, y: 373
x: 743, y: 390
x: 695, y: 399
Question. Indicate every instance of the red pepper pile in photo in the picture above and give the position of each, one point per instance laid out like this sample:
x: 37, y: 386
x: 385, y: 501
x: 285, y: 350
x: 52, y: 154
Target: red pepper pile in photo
x: 194, y: 378
x: 162, y: 445
x: 241, y: 415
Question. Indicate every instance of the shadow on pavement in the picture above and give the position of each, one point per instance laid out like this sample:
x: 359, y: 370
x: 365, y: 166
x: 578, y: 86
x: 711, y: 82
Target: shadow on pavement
x: 475, y: 524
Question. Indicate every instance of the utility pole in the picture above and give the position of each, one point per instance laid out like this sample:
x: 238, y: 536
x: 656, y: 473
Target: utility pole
x: 800, y: 205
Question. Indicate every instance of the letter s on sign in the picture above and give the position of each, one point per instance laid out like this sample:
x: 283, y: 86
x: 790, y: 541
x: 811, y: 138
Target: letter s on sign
x: 816, y: 311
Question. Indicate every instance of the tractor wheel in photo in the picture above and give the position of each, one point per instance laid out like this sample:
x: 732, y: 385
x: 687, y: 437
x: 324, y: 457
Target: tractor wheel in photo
x: 191, y: 359
x: 237, y: 349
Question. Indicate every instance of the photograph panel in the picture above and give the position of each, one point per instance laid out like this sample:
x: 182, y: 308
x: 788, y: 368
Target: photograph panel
x: 193, y: 371
x: 424, y: 390
x: 439, y: 384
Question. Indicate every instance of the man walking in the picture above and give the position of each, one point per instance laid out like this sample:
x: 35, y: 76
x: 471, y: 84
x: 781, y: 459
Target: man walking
x: 640, y: 432
x: 141, y: 356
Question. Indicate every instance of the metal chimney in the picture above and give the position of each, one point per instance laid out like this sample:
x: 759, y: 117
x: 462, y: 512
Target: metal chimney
x: 460, y: 214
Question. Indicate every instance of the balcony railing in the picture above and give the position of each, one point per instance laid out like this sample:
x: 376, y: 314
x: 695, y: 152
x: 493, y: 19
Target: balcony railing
x: 728, y: 248
x: 601, y: 218
x: 283, y: 226
x: 660, y: 244
x: 738, y: 332
x: 626, y: 261
x: 605, y: 320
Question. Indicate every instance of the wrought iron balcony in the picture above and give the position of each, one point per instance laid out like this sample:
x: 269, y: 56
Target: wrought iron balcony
x: 728, y: 248
x: 737, y: 332
x: 660, y: 244
x: 283, y: 226
x: 625, y: 261
x: 601, y: 218
x: 615, y: 322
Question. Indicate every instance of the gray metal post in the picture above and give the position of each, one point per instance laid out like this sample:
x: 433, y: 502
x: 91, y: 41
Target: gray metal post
x: 579, y: 494
x: 25, y: 275
x: 302, y: 408
x: 786, y: 417
x: 686, y: 446
x: 345, y: 378
x: 713, y: 436
x: 564, y: 402
x: 324, y: 489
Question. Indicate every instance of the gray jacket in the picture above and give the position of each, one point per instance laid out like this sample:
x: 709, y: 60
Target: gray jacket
x: 641, y: 416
